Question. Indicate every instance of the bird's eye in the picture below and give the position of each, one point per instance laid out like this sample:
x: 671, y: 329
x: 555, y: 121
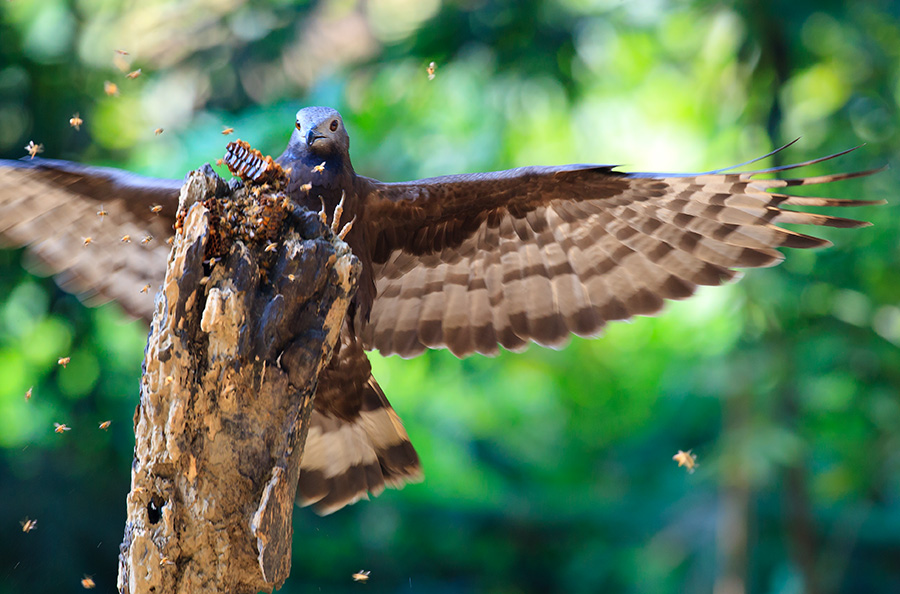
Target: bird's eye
x: 334, y: 125
x: 298, y: 126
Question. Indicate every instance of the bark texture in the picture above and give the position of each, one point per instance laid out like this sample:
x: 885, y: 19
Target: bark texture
x: 229, y: 376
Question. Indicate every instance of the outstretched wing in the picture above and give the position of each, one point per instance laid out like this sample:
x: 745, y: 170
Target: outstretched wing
x: 52, y: 207
x: 470, y: 262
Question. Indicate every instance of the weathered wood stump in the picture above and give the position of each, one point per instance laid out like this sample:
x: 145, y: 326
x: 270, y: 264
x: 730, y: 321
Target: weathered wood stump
x: 229, y: 376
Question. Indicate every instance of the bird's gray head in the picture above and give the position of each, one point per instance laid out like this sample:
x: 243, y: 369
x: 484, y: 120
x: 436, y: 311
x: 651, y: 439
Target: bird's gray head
x: 321, y: 130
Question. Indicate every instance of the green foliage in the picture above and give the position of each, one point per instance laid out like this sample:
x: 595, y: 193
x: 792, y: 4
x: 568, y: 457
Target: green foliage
x: 547, y: 471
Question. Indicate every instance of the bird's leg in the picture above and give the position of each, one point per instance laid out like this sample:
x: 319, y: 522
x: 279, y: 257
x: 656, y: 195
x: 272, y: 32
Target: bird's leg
x: 346, y: 229
x: 338, y: 213
x: 323, y: 216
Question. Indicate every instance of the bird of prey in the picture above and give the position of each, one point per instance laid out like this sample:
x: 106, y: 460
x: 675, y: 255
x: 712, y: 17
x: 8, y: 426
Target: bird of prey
x: 470, y: 263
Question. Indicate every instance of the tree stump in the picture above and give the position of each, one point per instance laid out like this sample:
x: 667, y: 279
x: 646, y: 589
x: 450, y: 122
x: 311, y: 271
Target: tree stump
x: 229, y: 376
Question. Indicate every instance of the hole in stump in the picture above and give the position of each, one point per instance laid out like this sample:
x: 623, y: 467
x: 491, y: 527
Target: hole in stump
x: 154, y: 509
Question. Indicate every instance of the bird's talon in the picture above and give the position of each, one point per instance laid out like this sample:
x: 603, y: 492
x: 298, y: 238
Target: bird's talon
x: 338, y: 213
x: 343, y: 233
x: 323, y: 216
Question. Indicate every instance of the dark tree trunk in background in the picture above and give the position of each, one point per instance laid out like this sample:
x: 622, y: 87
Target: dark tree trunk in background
x: 229, y: 376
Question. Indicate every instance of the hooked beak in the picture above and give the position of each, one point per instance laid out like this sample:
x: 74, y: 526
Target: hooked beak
x: 311, y: 137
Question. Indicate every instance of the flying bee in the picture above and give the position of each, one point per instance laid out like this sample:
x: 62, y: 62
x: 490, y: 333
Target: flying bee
x: 63, y: 361
x: 88, y: 241
x: 156, y: 208
x: 361, y: 576
x: 61, y: 428
x: 134, y: 74
x: 169, y: 379
x: 145, y: 288
x: 75, y: 121
x: 102, y: 212
x: 227, y: 131
x: 33, y: 149
x: 306, y: 187
x: 110, y: 88
x: 219, y: 161
x: 430, y: 71
x: 147, y: 239
x: 126, y: 239
x: 120, y: 62
x: 171, y: 240
x: 319, y: 168
x: 158, y: 131
x: 166, y: 561
x: 87, y: 582
x: 28, y: 393
x: 686, y: 459
x: 28, y: 525
x: 272, y: 247
x: 105, y: 425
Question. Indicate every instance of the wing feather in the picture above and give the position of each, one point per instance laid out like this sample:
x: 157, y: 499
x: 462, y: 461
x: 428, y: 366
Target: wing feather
x: 474, y: 263
x: 51, y: 207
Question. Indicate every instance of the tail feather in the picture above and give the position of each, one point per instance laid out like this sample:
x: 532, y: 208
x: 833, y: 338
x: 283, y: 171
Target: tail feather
x: 350, y: 454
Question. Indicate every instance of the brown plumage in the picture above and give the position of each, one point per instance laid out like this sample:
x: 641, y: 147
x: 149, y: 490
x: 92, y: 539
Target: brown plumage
x: 465, y: 262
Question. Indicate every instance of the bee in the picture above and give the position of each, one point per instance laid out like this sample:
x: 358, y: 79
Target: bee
x: 306, y: 187
x: 272, y: 247
x: 430, y: 71
x: 147, y: 239
x: 61, y: 428
x: 28, y: 525
x: 75, y: 121
x: 158, y: 131
x: 87, y: 582
x: 319, y: 168
x: 63, y: 361
x: 220, y: 161
x: 169, y: 380
x: 291, y: 277
x: 110, y: 88
x: 134, y: 74
x: 126, y: 239
x: 686, y: 459
x: 227, y: 131
x: 122, y: 52
x: 166, y: 561
x: 33, y: 149
x: 102, y: 212
x: 156, y: 208
x: 171, y: 240
x: 105, y: 425
x: 88, y: 241
x: 145, y: 288
x: 361, y: 576
x: 121, y: 63
x: 28, y: 393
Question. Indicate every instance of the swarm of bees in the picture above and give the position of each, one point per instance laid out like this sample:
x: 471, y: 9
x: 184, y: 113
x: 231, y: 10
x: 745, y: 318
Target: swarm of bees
x: 254, y: 216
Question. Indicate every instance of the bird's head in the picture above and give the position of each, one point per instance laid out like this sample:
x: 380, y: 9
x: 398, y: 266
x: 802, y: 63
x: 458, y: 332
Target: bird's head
x: 321, y: 131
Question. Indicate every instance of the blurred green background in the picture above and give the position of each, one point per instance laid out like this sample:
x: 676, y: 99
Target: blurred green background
x: 548, y: 471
